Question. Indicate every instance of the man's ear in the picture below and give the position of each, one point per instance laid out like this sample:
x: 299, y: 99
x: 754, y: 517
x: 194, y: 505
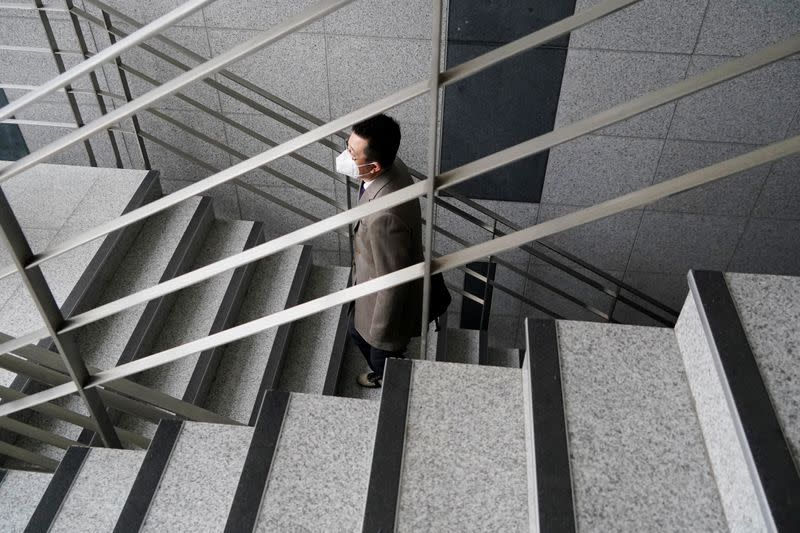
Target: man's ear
x: 377, y: 167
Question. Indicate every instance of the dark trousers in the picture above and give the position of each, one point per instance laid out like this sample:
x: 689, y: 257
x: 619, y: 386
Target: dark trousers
x: 376, y: 358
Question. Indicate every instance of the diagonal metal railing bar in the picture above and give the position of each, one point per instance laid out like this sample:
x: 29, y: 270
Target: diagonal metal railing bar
x: 616, y: 114
x: 629, y: 109
x: 529, y: 276
x: 55, y: 411
x: 50, y: 377
x: 162, y: 401
x: 605, y: 209
x: 44, y: 463
x: 218, y: 86
x: 767, y: 55
x: 241, y: 156
x: 558, y: 250
x: 41, y: 435
x: 200, y: 72
x: 243, y: 184
x: 224, y: 73
x: 286, y: 148
x: 85, y: 67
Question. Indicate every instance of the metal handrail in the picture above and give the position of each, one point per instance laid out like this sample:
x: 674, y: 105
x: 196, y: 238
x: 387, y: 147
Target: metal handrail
x: 605, y: 209
x: 442, y: 181
x: 286, y: 105
x: 334, y: 127
x: 59, y: 82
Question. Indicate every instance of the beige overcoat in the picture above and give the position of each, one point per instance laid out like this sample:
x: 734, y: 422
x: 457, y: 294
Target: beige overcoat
x: 385, y: 242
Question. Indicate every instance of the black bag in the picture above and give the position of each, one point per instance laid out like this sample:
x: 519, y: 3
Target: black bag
x: 440, y: 299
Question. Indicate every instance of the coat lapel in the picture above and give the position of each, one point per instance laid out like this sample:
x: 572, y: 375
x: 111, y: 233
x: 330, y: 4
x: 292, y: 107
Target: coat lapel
x: 373, y: 190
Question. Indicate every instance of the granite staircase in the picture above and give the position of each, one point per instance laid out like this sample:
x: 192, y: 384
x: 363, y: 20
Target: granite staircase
x: 604, y: 427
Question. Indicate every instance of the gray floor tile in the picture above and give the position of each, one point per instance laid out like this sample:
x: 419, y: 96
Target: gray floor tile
x: 604, y: 243
x: 20, y: 493
x: 749, y: 109
x: 145, y: 12
x: 780, y: 197
x: 734, y: 195
x: 593, y: 169
x: 674, y: 243
x: 256, y: 15
x: 410, y: 19
x: 768, y: 247
x: 292, y: 68
x: 369, y: 56
x: 650, y: 25
x: 738, y: 27
x: 597, y: 80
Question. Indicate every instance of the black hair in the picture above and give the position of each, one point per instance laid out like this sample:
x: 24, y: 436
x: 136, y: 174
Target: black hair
x: 382, y: 134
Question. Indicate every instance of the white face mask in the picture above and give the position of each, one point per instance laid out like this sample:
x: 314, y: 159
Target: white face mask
x: 345, y: 165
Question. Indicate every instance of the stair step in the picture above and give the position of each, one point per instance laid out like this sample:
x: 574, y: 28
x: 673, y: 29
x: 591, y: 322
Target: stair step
x: 191, y: 317
x: 20, y: 492
x: 463, y: 346
x: 102, y: 342
x: 312, y: 340
x: 464, y: 461
x: 738, y: 336
x: 320, y: 471
x: 636, y: 452
x: 199, y: 482
x: 98, y: 493
x: 241, y: 371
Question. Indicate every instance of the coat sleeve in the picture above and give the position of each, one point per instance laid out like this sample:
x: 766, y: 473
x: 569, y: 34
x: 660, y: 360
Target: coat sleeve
x: 391, y: 251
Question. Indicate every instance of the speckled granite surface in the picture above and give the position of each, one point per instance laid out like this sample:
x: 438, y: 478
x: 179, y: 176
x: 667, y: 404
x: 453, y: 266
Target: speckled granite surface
x: 191, y: 317
x: 241, y: 370
x: 769, y: 308
x: 463, y: 345
x: 102, y: 342
x: 20, y: 493
x: 464, y: 467
x: 636, y: 450
x: 311, y: 342
x: 725, y: 454
x: 320, y: 472
x: 99, y: 491
x: 200, y: 480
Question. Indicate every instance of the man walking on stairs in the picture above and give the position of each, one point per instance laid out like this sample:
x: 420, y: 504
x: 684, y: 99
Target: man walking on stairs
x: 382, y: 324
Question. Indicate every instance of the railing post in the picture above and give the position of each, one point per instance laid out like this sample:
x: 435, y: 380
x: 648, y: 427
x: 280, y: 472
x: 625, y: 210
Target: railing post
x: 487, y: 286
x: 14, y: 239
x: 436, y: 40
x: 73, y: 103
x: 126, y: 90
x: 76, y: 25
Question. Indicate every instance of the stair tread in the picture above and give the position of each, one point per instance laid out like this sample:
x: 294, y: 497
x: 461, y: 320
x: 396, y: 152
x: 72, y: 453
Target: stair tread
x: 206, y: 464
x: 98, y: 493
x: 102, y: 342
x: 309, y: 349
x: 192, y: 316
x: 53, y: 203
x: 463, y: 345
x: 320, y: 471
x: 20, y: 492
x: 241, y: 370
x: 636, y: 449
x: 464, y: 464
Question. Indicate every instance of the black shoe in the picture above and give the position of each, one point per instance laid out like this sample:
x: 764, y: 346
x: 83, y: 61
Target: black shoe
x: 370, y: 380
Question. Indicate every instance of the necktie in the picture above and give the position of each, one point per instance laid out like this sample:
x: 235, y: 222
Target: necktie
x: 361, y: 191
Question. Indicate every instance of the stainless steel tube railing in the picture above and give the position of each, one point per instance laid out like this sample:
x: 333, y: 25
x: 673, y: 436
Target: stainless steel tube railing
x: 440, y: 182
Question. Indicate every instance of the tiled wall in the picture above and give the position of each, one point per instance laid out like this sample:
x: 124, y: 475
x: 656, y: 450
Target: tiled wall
x: 374, y: 47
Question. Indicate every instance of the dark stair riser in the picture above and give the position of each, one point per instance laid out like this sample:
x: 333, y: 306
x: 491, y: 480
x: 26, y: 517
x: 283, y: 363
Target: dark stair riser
x: 277, y: 354
x: 149, y: 477
x: 57, y: 491
x: 203, y: 376
x: 334, y: 371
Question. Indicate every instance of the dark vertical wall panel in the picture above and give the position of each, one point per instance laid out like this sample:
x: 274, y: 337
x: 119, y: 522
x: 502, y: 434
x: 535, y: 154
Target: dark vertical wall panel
x: 508, y: 103
x: 12, y: 144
